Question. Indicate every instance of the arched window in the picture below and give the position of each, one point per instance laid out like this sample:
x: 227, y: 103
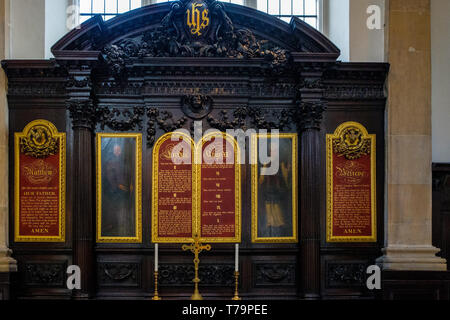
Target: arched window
x: 307, y: 10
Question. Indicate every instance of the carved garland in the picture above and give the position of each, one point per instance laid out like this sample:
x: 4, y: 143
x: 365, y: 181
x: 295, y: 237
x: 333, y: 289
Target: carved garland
x: 83, y: 113
x: 241, y: 118
x: 129, y: 119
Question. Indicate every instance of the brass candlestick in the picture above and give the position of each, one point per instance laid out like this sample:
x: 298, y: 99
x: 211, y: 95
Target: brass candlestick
x: 236, y: 288
x: 156, y: 297
x: 196, y: 247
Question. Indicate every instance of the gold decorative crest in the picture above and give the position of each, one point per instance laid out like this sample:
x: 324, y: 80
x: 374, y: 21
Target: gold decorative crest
x: 39, y: 142
x: 351, y: 143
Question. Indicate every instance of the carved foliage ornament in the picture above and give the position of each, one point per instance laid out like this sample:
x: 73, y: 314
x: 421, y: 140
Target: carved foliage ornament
x: 240, y: 118
x: 119, y: 274
x: 196, y: 28
x: 181, y: 274
x: 309, y: 114
x: 267, y: 274
x: 83, y: 113
x: 197, y: 106
x: 164, y: 120
x: 352, y: 143
x: 120, y: 120
x: 44, y: 274
x: 258, y: 119
x: 342, y: 275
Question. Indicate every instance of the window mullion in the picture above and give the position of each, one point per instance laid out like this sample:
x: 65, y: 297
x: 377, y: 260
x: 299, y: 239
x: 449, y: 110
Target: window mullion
x: 269, y: 3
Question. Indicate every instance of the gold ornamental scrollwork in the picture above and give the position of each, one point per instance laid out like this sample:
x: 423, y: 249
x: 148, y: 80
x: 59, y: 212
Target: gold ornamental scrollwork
x: 352, y: 143
x: 39, y: 142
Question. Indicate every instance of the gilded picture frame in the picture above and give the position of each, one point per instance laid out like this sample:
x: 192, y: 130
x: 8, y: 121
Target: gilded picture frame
x: 367, y: 146
x: 137, y: 238
x: 41, y: 152
x: 257, y: 211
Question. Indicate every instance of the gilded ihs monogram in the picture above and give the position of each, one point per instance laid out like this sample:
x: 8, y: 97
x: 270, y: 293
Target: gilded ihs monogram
x: 197, y: 18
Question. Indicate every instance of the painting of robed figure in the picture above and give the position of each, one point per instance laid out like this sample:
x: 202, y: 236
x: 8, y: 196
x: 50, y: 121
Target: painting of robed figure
x: 274, y: 183
x: 118, y: 188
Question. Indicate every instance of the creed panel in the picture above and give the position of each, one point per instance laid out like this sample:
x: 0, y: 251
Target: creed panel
x: 351, y: 187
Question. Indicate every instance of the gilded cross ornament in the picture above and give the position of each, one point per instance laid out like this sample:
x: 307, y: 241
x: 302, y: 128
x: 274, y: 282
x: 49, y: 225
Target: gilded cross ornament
x: 196, y: 247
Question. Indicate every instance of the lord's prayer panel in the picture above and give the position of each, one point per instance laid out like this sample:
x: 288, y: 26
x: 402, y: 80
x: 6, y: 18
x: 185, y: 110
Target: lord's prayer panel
x: 40, y: 183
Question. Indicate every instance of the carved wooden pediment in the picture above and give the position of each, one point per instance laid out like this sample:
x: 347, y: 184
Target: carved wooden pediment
x: 196, y: 28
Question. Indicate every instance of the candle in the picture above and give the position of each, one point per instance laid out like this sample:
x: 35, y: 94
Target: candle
x: 236, y: 258
x: 156, y: 257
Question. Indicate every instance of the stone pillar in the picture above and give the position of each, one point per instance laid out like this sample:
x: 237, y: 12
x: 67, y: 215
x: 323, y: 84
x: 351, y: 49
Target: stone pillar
x: 7, y: 264
x: 408, y: 219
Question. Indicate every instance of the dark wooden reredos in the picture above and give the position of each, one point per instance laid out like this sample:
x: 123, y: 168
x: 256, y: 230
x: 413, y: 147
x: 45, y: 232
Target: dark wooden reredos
x: 131, y: 74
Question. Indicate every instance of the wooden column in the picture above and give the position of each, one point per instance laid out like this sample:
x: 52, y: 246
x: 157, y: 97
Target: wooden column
x: 82, y: 114
x: 310, y: 109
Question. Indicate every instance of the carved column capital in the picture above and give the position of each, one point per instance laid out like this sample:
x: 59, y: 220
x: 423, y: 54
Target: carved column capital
x: 309, y: 114
x: 82, y: 113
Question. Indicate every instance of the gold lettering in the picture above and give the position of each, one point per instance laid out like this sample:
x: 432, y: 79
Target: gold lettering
x: 39, y: 230
x: 205, y: 18
x: 343, y: 172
